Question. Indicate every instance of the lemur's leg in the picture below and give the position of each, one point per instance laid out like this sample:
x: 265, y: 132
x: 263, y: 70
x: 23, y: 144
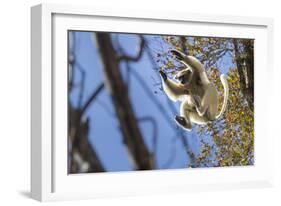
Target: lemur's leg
x: 195, y: 100
x: 173, y: 90
x: 208, y: 106
x: 177, y: 54
x: 183, y: 120
x: 201, y: 106
x: 163, y: 75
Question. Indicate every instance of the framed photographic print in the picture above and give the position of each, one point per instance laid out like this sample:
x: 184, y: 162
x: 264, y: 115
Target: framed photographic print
x: 135, y: 102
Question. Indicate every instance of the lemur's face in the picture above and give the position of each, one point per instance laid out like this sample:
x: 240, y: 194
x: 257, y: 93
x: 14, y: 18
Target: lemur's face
x: 184, y: 76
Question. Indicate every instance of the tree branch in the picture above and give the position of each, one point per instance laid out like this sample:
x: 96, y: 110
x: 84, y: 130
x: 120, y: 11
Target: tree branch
x: 154, y: 134
x: 82, y: 83
x: 118, y: 91
x: 82, y: 157
x: 137, y: 56
x: 81, y: 152
x: 92, y: 97
x: 245, y: 67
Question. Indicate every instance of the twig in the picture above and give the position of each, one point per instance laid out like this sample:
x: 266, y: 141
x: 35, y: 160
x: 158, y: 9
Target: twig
x: 82, y: 82
x: 154, y: 134
x: 92, y: 97
x: 159, y: 105
x: 137, y: 56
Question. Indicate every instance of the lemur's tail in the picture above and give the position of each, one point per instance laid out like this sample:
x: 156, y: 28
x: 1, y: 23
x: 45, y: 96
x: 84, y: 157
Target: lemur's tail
x: 226, y: 92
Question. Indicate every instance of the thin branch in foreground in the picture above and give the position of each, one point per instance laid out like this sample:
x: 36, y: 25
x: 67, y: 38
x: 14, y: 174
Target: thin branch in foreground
x: 82, y: 83
x: 82, y: 156
x: 117, y: 88
x: 154, y: 134
x: 92, y: 97
x: 135, y: 58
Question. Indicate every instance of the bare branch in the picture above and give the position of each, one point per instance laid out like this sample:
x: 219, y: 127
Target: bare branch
x: 82, y: 156
x: 82, y: 83
x: 92, y: 97
x: 137, y: 56
x: 82, y: 152
x: 245, y: 66
x: 154, y: 134
x: 128, y: 124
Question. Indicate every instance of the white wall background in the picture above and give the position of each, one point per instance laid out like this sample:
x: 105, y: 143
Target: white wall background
x: 15, y: 103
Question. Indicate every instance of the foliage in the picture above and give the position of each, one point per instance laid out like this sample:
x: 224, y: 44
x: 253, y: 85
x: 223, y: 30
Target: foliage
x: 232, y: 136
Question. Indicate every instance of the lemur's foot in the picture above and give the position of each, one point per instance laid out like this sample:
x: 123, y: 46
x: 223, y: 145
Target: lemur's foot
x: 177, y: 54
x: 181, y: 120
x: 163, y: 75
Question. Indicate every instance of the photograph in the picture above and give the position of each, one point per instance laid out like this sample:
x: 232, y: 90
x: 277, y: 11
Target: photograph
x: 141, y: 102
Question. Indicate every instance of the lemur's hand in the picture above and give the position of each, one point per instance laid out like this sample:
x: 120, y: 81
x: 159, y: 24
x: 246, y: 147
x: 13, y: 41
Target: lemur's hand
x: 177, y: 54
x: 163, y: 75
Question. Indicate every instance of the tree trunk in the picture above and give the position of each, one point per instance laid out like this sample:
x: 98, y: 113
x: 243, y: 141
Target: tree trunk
x: 84, y: 159
x: 118, y: 90
x: 244, y: 56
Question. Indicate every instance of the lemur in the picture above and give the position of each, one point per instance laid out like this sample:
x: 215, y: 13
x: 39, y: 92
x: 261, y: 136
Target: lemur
x: 198, y: 95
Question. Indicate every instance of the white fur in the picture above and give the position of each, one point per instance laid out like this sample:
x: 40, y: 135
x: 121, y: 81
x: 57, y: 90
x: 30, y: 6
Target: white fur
x: 207, y: 109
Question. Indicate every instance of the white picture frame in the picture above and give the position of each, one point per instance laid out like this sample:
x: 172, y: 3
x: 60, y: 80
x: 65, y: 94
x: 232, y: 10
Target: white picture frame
x: 49, y: 178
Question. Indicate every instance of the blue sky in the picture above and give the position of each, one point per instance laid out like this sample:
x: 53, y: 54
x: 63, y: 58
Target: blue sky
x: 104, y: 134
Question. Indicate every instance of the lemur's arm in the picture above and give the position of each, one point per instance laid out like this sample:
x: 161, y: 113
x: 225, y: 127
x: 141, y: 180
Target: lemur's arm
x: 191, y: 62
x: 173, y: 90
